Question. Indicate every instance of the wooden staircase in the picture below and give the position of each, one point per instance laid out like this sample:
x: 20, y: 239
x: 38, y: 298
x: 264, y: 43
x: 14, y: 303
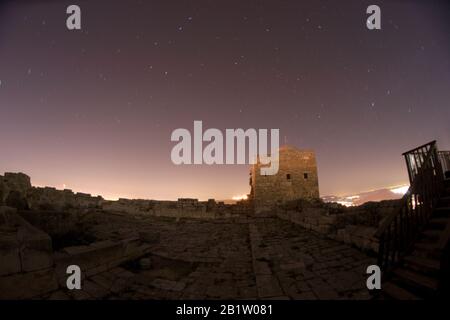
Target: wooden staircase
x: 415, y: 265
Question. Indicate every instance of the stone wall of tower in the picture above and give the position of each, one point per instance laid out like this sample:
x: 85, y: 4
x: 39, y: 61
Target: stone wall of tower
x: 296, y: 179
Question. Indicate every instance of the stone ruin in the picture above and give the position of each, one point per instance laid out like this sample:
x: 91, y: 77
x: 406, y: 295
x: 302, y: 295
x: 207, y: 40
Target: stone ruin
x: 355, y: 226
x: 43, y: 230
x: 35, y: 255
x: 14, y: 188
x: 296, y: 179
x: 16, y: 191
x: 182, y: 208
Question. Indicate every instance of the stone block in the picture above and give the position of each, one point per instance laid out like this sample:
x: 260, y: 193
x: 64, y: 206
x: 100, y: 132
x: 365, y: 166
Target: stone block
x: 149, y: 237
x: 94, y: 290
x: 35, y: 259
x: 268, y: 286
x: 21, y: 239
x: 293, y: 266
x: 145, y: 263
x: 164, y: 284
x: 261, y: 268
x: 9, y: 254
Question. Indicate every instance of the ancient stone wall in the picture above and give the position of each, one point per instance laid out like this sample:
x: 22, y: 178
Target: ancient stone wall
x: 14, y: 188
x: 52, y: 199
x: 354, y: 225
x: 30, y: 267
x: 17, y: 192
x: 182, y: 208
x: 296, y: 179
x: 26, y: 255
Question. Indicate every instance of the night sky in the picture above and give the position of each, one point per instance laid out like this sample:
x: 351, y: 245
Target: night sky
x: 93, y: 110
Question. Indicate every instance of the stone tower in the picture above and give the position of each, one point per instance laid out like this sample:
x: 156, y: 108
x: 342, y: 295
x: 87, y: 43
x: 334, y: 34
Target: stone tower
x: 296, y: 179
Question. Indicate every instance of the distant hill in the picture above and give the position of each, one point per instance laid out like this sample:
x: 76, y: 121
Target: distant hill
x: 390, y: 193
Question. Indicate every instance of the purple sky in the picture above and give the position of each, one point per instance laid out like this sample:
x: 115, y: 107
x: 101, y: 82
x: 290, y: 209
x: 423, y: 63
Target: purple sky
x: 94, y: 109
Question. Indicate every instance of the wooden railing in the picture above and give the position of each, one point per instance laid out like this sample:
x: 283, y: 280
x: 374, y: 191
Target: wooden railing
x: 398, y: 231
x: 444, y: 241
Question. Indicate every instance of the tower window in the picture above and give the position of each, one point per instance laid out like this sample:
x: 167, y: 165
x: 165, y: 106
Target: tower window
x: 288, y: 176
x: 305, y: 176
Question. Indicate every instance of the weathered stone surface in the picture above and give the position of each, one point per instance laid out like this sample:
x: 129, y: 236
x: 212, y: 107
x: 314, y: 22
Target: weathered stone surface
x: 164, y: 284
x: 36, y: 259
x: 296, y: 178
x: 261, y: 268
x: 103, y: 281
x: 9, y: 251
x: 27, y: 285
x: 149, y: 237
x: 251, y: 258
x: 93, y: 289
x: 99, y: 256
x: 13, y: 190
x: 145, y: 263
x: 23, y: 248
x: 52, y: 199
x: 306, y: 265
x: 36, y: 248
x: 268, y: 286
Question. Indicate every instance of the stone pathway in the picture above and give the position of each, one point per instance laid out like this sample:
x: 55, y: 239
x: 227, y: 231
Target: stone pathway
x: 224, y: 259
x: 295, y: 263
